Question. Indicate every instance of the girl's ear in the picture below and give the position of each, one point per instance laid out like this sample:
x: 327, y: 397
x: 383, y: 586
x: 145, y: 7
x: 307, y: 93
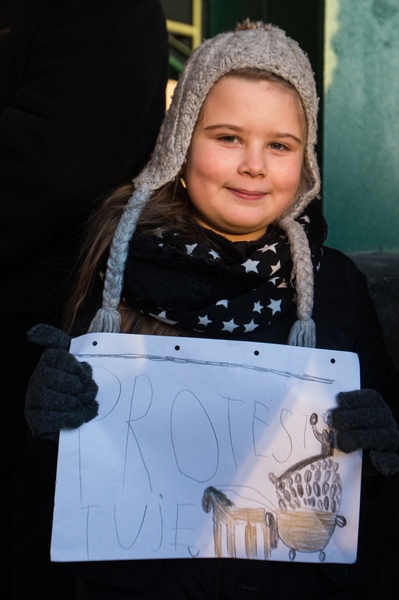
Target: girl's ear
x: 181, y: 174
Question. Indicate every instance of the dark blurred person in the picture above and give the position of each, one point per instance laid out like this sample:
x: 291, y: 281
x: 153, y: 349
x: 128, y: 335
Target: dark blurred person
x: 82, y: 96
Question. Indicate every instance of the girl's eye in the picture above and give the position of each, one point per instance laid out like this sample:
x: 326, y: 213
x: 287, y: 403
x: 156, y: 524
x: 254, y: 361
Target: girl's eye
x: 278, y: 146
x: 228, y: 139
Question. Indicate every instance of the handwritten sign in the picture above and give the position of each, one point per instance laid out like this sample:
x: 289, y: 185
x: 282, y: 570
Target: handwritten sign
x: 206, y: 448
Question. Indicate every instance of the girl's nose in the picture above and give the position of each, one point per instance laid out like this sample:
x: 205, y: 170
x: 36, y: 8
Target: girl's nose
x: 253, y: 162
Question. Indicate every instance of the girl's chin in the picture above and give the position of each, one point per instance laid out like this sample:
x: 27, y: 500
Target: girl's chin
x: 235, y: 235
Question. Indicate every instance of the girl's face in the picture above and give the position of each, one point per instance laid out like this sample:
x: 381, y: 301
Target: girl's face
x: 245, y: 159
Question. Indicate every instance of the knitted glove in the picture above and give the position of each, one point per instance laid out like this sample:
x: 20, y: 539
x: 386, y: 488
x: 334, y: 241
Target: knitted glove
x: 364, y: 420
x: 61, y: 392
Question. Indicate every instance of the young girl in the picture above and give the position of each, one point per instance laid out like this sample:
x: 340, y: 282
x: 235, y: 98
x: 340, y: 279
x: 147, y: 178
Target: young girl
x: 217, y: 238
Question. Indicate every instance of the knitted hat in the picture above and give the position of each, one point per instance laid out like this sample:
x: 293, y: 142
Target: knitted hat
x: 252, y: 45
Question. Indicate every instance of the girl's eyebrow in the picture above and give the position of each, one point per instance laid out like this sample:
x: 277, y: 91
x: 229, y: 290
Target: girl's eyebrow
x: 277, y: 135
x: 223, y: 126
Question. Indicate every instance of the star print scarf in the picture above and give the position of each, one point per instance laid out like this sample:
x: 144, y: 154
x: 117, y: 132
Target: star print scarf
x: 214, y: 287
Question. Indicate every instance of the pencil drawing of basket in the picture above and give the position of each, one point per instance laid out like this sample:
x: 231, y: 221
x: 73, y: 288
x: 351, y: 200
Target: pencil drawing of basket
x: 309, y: 496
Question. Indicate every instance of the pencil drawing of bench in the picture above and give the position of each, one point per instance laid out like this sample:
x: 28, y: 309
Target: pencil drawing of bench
x: 227, y: 516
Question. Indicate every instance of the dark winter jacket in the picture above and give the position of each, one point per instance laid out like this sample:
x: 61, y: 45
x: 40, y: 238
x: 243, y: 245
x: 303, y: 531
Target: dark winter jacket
x: 345, y: 320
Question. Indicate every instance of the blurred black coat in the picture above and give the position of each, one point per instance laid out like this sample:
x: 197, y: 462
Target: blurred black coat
x: 82, y: 96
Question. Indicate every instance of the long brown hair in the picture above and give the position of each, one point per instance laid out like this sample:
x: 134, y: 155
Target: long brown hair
x: 169, y: 208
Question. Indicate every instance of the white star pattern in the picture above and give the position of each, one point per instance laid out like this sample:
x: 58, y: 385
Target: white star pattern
x: 162, y: 317
x: 204, y: 321
x: 250, y: 326
x: 272, y: 248
x: 222, y: 303
x: 229, y: 325
x: 255, y: 303
x: 257, y: 307
x: 251, y: 265
x: 275, y: 306
x: 276, y: 267
x: 191, y: 248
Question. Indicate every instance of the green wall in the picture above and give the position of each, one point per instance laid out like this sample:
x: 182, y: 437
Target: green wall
x: 361, y: 124
x: 222, y: 15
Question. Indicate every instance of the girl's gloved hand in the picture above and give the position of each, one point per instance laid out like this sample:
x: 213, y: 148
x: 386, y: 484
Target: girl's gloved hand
x: 61, y: 392
x: 364, y: 420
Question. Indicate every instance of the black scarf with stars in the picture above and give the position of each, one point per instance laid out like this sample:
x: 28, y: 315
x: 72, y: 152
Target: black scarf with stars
x: 214, y: 287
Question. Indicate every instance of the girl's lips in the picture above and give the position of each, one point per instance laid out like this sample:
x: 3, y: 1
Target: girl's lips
x: 247, y: 194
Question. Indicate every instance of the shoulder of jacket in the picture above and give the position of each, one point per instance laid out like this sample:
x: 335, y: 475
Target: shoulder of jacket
x: 336, y: 259
x: 339, y: 275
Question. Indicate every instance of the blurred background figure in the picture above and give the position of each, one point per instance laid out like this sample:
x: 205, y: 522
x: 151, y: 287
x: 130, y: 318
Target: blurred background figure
x: 82, y: 95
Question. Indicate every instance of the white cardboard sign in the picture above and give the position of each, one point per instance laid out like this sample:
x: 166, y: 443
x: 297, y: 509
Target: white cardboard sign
x: 207, y: 448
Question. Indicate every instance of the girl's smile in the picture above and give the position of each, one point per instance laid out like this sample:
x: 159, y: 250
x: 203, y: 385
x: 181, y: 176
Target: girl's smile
x: 250, y: 195
x: 245, y: 159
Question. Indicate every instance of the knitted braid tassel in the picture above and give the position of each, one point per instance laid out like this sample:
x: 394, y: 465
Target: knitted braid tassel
x: 303, y: 331
x: 108, y: 319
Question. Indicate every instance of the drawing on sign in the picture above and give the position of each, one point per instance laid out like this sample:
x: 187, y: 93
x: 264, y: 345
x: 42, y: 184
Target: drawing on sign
x: 309, y: 495
x: 227, y: 515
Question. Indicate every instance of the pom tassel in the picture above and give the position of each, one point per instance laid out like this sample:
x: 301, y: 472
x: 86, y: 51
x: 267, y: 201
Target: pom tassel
x: 107, y: 320
x: 303, y: 333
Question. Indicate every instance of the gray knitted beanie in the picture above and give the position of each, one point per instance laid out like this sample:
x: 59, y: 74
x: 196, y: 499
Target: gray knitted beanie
x: 252, y: 45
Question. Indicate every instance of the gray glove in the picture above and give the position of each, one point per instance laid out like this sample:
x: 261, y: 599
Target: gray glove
x: 61, y: 392
x: 364, y: 420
